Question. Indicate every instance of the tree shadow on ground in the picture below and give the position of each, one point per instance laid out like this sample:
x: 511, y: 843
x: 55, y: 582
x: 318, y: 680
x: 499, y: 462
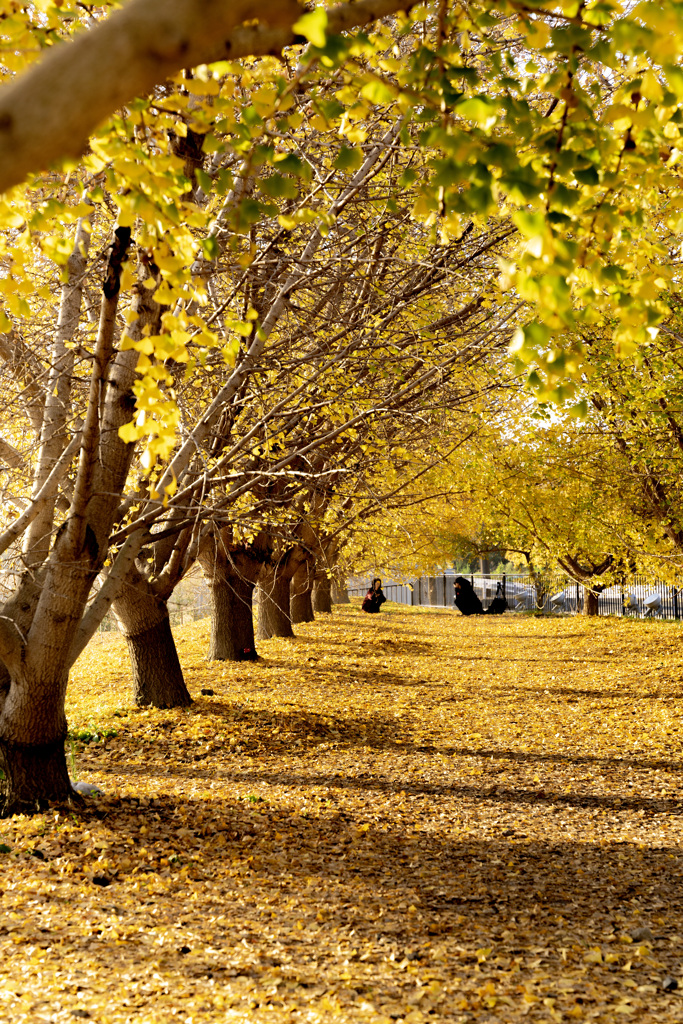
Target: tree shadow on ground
x: 316, y: 891
x: 375, y: 732
x: 641, y: 762
x: 354, y: 669
x: 545, y: 872
x: 630, y: 695
x: 505, y: 659
x: 371, y: 782
x: 227, y: 893
x: 355, y: 657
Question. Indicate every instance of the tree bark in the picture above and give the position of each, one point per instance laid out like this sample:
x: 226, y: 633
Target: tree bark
x: 23, y: 764
x: 232, y: 622
x: 584, y: 573
x: 322, y: 594
x: 301, y: 595
x: 32, y: 746
x: 273, y: 606
x: 53, y: 435
x: 53, y: 598
x: 157, y: 674
x: 431, y: 590
x: 231, y: 571
x: 301, y: 607
x: 130, y: 52
x: 339, y: 593
x: 143, y: 619
x: 542, y: 589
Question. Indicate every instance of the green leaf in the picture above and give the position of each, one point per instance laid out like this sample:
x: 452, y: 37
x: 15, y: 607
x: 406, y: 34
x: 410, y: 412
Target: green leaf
x: 587, y: 175
x: 278, y: 187
x: 377, y: 92
x: 448, y: 172
x: 349, y: 158
x: 239, y: 327
x: 292, y: 164
x: 204, y: 180
x: 211, y: 248
x: 578, y: 411
x: 313, y: 26
x: 527, y: 340
x: 479, y: 109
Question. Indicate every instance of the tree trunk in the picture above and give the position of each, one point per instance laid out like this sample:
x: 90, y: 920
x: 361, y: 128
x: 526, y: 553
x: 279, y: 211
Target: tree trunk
x: 300, y: 595
x: 157, y: 675
x: 322, y: 594
x: 542, y: 591
x: 339, y: 593
x: 584, y: 573
x: 232, y: 622
x: 301, y: 607
x: 431, y: 590
x: 273, y: 605
x: 231, y: 571
x: 32, y: 746
x: 32, y: 718
x: 540, y: 585
x: 26, y: 765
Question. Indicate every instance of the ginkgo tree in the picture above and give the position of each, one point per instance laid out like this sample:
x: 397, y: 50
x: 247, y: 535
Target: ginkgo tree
x: 349, y: 373
x: 301, y: 328
x: 557, y: 493
x: 569, y: 150
x: 565, y: 116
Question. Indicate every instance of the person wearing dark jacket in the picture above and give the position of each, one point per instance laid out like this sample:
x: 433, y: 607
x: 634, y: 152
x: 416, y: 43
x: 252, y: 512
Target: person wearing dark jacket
x: 466, y: 601
x: 374, y: 599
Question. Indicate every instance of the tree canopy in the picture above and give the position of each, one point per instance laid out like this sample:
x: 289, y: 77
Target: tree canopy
x: 560, y: 118
x: 260, y: 266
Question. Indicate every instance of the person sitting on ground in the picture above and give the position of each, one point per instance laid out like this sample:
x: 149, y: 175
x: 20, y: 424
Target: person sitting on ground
x: 469, y: 604
x: 374, y: 599
x: 466, y: 601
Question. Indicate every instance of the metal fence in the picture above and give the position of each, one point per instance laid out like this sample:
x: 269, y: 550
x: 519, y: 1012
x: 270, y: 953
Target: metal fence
x: 184, y: 606
x: 552, y: 593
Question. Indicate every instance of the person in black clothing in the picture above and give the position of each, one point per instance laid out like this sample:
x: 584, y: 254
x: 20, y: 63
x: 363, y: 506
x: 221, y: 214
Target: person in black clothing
x: 468, y: 603
x: 374, y: 599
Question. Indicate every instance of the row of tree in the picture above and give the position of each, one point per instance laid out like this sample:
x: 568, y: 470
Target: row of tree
x: 598, y: 496
x: 242, y: 350
x: 259, y: 309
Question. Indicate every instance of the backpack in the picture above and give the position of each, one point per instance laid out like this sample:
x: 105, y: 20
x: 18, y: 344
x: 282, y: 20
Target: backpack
x: 499, y: 604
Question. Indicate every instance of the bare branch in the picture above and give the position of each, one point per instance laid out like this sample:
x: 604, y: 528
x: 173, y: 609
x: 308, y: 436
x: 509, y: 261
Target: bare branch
x: 44, y: 495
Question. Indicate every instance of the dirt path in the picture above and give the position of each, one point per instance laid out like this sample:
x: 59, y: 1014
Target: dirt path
x: 415, y: 817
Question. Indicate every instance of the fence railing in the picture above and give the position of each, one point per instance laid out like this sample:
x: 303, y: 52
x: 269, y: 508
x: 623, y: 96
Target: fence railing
x: 552, y: 593
x: 180, y: 612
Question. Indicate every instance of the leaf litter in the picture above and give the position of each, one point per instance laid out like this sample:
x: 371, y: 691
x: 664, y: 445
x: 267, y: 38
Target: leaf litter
x: 412, y: 817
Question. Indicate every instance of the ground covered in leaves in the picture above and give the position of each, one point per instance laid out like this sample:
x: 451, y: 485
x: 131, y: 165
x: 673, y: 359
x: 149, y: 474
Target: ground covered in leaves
x: 410, y: 817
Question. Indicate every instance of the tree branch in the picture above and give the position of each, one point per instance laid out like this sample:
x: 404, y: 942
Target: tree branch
x: 10, y: 456
x: 44, y: 495
x: 42, y: 117
x: 12, y: 643
x: 107, y: 594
